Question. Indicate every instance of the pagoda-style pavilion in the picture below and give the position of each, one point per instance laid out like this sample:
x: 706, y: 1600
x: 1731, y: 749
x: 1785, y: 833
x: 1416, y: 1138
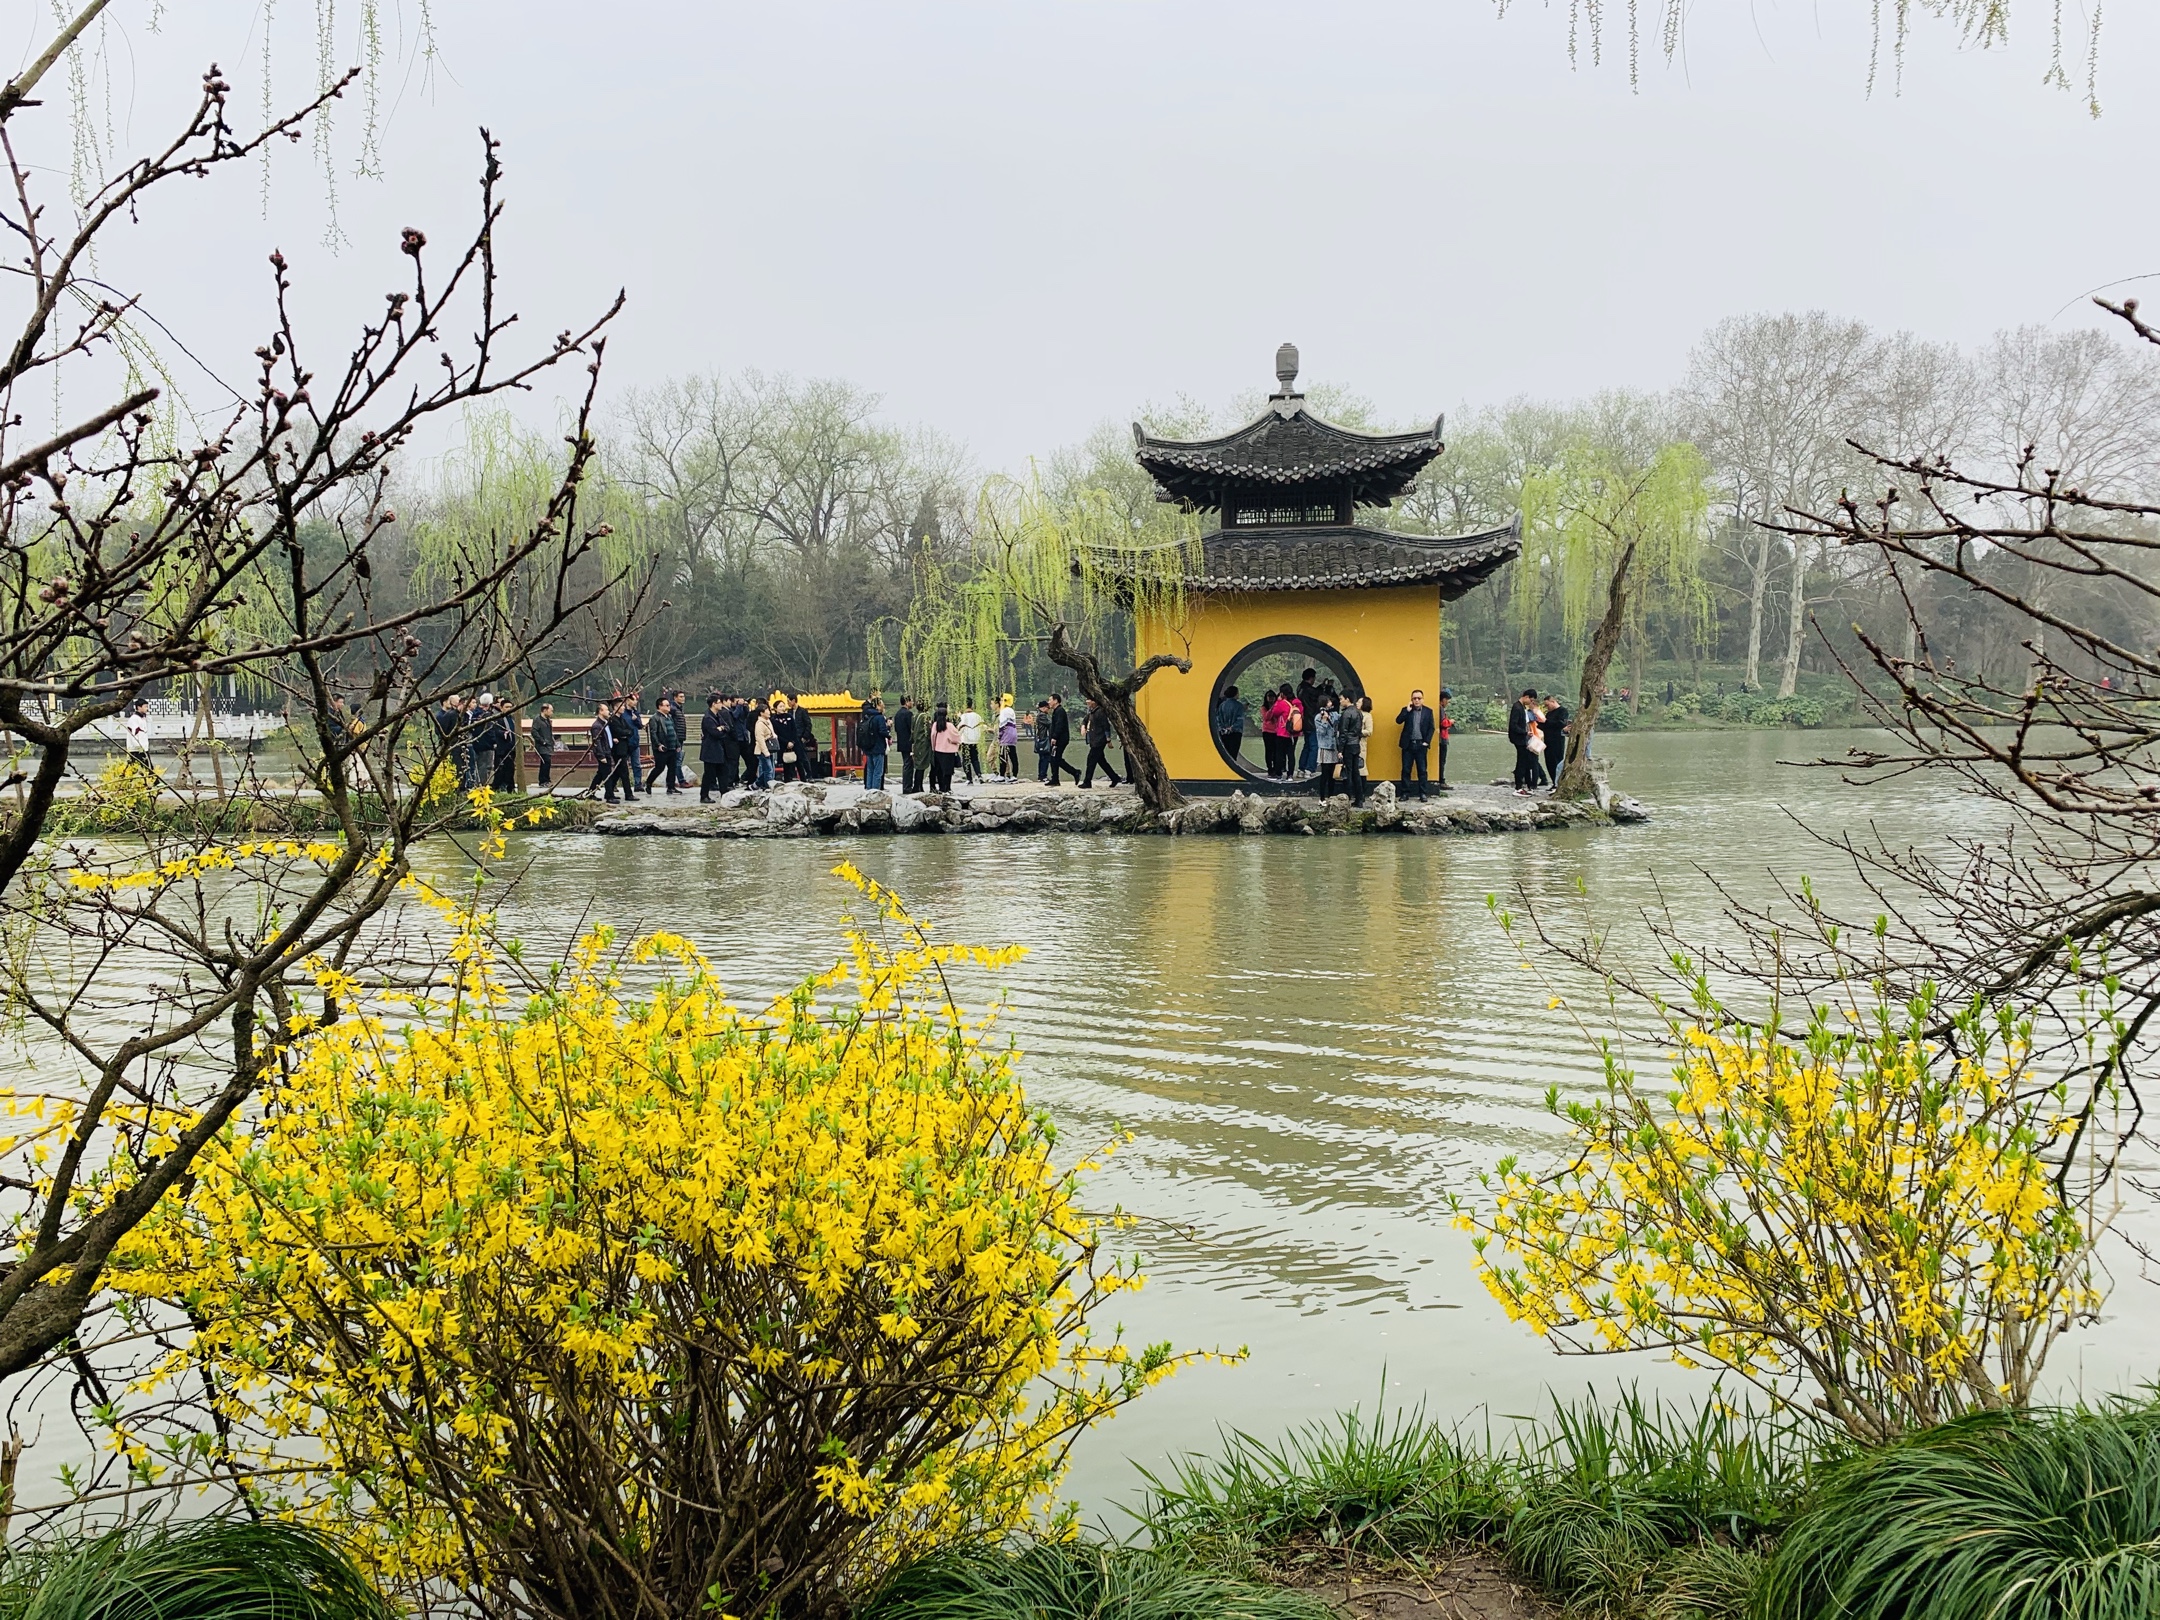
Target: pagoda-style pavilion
x: 1292, y: 573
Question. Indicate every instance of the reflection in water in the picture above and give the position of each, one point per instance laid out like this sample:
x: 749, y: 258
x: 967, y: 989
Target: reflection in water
x: 1315, y: 1041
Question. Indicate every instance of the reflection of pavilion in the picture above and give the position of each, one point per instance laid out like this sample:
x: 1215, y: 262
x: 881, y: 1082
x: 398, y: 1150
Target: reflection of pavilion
x: 1291, y: 574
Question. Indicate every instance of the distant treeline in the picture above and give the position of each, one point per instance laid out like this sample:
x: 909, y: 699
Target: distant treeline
x: 781, y: 524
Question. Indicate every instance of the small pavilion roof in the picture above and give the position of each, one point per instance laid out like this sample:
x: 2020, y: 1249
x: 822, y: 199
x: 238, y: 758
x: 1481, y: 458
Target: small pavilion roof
x: 1334, y: 557
x: 1286, y: 447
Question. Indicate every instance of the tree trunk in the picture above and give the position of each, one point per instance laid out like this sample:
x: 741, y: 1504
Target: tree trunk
x: 1796, y: 626
x: 1143, y: 760
x: 1758, y: 588
x: 1575, y: 773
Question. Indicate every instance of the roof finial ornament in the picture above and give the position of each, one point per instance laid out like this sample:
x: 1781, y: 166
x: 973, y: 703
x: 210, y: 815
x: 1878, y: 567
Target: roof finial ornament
x: 1286, y: 366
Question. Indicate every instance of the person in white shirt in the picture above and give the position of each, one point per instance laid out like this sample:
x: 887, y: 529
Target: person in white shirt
x: 135, y: 722
x: 971, y: 743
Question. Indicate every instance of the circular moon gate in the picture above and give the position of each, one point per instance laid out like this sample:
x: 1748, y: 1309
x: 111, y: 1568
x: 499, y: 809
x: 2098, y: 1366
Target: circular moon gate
x: 1294, y: 651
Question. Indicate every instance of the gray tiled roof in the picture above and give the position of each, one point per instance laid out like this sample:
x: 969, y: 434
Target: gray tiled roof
x: 1285, y: 448
x: 1331, y: 557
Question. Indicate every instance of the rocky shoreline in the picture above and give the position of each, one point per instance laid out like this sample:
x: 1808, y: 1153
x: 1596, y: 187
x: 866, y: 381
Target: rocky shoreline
x: 838, y: 809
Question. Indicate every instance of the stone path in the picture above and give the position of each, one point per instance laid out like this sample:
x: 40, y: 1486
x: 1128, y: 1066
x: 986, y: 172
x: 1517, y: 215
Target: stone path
x: 800, y: 810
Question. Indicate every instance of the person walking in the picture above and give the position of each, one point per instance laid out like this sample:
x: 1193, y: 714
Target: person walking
x: 1008, y: 740
x: 678, y: 778
x: 135, y: 737
x: 1556, y: 738
x: 1418, y: 732
x: 600, y: 738
x: 944, y: 750
x: 1042, y: 740
x: 872, y: 733
x: 662, y: 733
x: 623, y: 732
x: 1327, y: 756
x: 543, y: 741
x: 1518, y: 732
x: 1061, y: 739
x: 715, y: 743
x: 1230, y: 723
x: 1096, y: 729
x: 971, y: 743
x: 904, y: 721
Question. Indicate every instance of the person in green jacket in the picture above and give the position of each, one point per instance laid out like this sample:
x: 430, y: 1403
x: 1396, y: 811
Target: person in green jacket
x: 919, y: 749
x: 543, y: 741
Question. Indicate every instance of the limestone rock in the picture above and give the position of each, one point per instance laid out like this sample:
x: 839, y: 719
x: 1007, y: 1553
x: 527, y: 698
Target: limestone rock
x: 912, y: 813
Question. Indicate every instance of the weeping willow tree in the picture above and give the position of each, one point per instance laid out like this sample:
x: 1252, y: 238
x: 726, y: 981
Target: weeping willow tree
x: 1985, y: 23
x: 1067, y: 573
x: 493, y: 489
x: 1613, y: 531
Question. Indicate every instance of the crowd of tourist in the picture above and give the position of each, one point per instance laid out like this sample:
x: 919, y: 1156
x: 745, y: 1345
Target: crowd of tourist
x: 1310, y: 733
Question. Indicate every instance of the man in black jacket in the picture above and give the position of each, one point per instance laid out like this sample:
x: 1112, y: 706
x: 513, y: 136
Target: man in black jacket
x: 1061, y: 739
x: 1095, y: 727
x: 623, y: 728
x: 603, y: 751
x: 872, y: 733
x: 1518, y: 733
x: 665, y: 743
x: 1555, y: 723
x: 1417, y: 735
x: 743, y: 723
x: 904, y: 721
x: 715, y: 746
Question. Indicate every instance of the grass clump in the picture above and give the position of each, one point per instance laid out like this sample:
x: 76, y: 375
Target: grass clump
x: 1650, y: 1509
x: 1636, y: 1509
x: 1381, y: 1486
x: 214, y: 1569
x: 2043, y: 1516
x: 1078, y: 1580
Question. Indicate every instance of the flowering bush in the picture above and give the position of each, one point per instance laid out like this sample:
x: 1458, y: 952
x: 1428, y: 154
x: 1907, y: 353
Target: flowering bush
x: 1869, y: 1209
x: 623, y: 1304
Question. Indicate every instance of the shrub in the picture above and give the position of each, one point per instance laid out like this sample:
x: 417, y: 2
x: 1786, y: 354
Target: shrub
x: 1613, y: 715
x: 1687, y: 703
x: 1495, y: 716
x: 2053, y: 1516
x: 1738, y: 705
x: 211, y: 1570
x: 619, y: 1305
x: 1868, y: 1207
x: 1075, y: 1580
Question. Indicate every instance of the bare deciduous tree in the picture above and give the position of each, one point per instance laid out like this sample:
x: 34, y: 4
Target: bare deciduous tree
x: 162, y: 979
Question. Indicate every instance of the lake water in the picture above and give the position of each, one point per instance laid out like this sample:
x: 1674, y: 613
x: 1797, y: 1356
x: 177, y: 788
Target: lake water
x: 1314, y: 1041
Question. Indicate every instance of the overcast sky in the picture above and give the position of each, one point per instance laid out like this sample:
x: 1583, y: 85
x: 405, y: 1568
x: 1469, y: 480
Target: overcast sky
x: 1015, y: 219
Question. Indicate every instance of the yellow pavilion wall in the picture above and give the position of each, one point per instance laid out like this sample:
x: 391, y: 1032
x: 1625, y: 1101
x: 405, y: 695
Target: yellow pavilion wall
x: 1389, y: 635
